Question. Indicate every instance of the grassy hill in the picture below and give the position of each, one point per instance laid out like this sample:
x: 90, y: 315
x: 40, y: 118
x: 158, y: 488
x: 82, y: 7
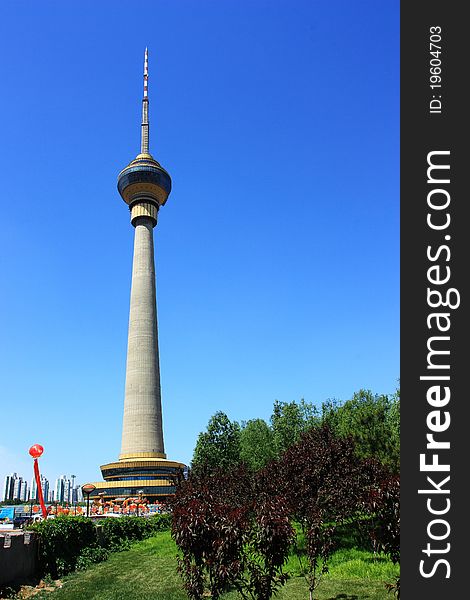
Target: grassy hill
x: 148, y: 572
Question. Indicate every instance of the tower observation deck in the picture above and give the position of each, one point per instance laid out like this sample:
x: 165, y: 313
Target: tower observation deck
x: 142, y: 465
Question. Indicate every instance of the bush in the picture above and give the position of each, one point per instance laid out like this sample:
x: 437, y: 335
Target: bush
x: 61, y: 542
x: 68, y: 543
x: 118, y: 534
x: 90, y: 556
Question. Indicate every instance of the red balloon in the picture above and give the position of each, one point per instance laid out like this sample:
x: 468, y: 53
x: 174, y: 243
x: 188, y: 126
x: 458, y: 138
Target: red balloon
x: 36, y: 450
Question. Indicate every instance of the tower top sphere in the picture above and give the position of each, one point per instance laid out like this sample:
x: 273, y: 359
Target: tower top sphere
x: 144, y: 179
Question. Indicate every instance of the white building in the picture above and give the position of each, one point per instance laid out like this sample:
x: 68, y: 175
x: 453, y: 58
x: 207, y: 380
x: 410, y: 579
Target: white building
x: 17, y: 488
x: 59, y: 489
x: 77, y: 494
x: 24, y: 497
x: 34, y: 489
x: 67, y: 491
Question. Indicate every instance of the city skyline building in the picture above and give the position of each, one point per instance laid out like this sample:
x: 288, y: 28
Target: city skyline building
x: 9, y: 486
x: 24, y: 491
x: 33, y: 489
x: 77, y: 494
x: 33, y: 495
x: 16, y: 488
x: 59, y: 489
x: 144, y: 185
x: 67, y: 491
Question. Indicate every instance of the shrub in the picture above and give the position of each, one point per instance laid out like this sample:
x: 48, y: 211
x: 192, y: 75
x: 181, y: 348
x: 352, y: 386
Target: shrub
x: 68, y: 542
x: 118, y: 534
x: 90, y: 556
x: 61, y: 542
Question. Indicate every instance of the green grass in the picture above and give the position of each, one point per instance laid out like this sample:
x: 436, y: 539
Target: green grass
x: 351, y: 563
x: 148, y: 572
x: 353, y: 560
x: 145, y: 572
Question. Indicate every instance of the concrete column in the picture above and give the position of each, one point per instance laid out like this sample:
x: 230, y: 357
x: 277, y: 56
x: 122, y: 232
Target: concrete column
x: 142, y: 425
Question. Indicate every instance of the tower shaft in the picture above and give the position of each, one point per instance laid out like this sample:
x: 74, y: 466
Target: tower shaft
x: 142, y: 432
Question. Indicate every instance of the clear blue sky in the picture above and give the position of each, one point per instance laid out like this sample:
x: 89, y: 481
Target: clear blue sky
x: 277, y: 252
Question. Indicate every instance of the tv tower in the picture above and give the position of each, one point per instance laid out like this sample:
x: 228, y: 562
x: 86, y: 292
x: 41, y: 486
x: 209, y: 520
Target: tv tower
x: 142, y: 467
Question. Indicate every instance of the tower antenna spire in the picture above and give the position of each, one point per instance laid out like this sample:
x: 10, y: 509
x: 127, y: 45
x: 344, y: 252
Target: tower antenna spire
x: 144, y: 144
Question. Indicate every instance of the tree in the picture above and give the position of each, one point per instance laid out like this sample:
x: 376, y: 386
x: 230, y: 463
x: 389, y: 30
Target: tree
x: 323, y: 480
x: 393, y: 425
x: 219, y: 446
x: 388, y: 512
x: 289, y: 420
x: 230, y: 533
x: 382, y: 504
x: 256, y: 444
x: 371, y: 421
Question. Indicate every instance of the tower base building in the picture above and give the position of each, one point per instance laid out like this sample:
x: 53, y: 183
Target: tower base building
x: 153, y: 477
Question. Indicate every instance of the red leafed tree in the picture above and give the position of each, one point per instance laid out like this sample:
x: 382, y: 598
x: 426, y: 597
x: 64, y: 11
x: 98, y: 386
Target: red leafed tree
x: 233, y: 528
x: 324, y: 483
x: 230, y: 536
x: 382, y: 503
